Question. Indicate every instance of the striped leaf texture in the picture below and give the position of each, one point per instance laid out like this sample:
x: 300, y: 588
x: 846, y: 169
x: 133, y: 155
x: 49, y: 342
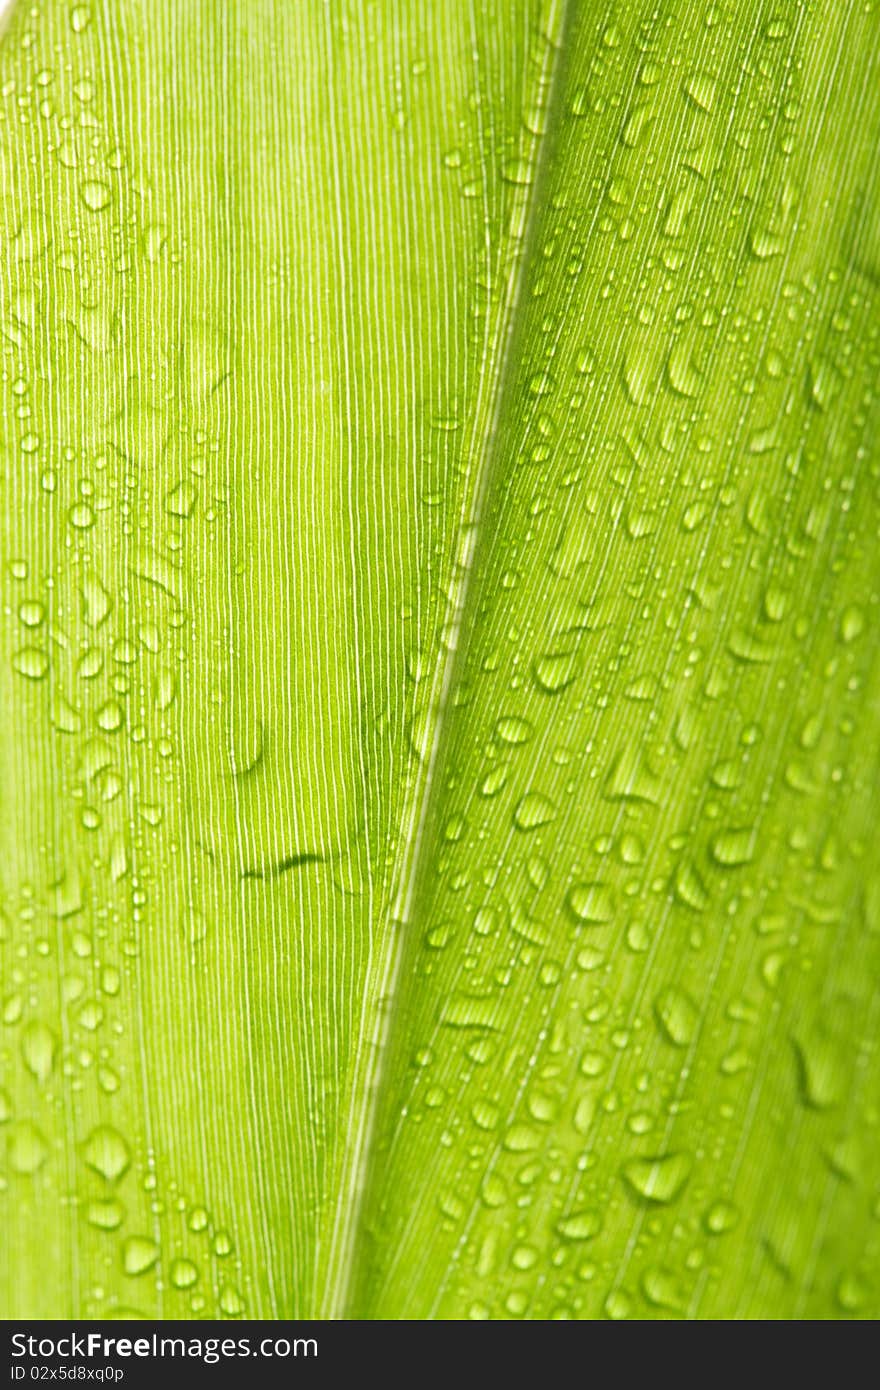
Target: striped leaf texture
x: 438, y: 660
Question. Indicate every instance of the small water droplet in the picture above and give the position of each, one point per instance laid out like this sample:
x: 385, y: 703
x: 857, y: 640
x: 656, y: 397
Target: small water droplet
x: 30, y: 662
x: 677, y: 1016
x: 581, y: 1225
x: 184, y: 1274
x: 852, y: 624
x: 26, y: 1150
x: 734, y: 847
x: 181, y: 500
x: 107, y: 1216
x: 512, y: 730
x: 532, y: 811
x: 139, y: 1254
x: 556, y: 671
x: 95, y: 195
x: 721, y: 1217
x: 591, y: 902
x: 659, y: 1179
x: 231, y: 1302
x: 38, y: 1049
x: 107, y: 1153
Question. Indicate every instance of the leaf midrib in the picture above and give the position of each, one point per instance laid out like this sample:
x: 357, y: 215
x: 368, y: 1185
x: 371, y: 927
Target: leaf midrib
x: 498, y: 361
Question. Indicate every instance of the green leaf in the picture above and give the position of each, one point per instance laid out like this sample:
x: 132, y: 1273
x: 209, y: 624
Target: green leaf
x: 440, y: 664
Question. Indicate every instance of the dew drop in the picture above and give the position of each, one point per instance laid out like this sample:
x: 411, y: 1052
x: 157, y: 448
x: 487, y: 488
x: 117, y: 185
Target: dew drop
x: 532, y: 811
x: 95, y: 195
x: 513, y: 730
x: 721, y: 1217
x: 677, y: 1016
x: 556, y: 671
x: 27, y: 1150
x: 38, y: 1048
x: 591, y: 902
x: 732, y: 848
x: 657, y: 1180
x: 107, y: 1216
x: 107, y: 1153
x: 139, y: 1254
x: 184, y: 1274
x: 231, y: 1302
x: 581, y: 1225
x: 30, y: 662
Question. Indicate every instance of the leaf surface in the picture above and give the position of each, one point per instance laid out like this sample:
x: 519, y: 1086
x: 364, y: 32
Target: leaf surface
x: 440, y: 663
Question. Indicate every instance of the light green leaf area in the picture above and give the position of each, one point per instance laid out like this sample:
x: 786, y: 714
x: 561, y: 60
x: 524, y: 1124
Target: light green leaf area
x: 439, y: 672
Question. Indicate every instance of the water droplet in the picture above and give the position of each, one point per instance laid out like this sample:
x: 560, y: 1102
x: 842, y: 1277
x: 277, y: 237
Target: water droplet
x: 721, y: 1217
x: 852, y: 624
x: 63, y: 716
x: 677, y: 1016
x: 689, y: 888
x: 662, y: 1289
x: 231, y: 1302
x: 732, y: 848
x: 556, y: 671
x: 518, y: 172
x: 852, y: 1293
x: 27, y: 1150
x: 821, y: 1073
x: 591, y: 902
x: 532, y: 811
x: 657, y: 1180
x: 153, y: 240
x: 462, y: 1010
x: 38, y: 1048
x: 512, y: 730
x: 139, y: 1254
x: 701, y: 89
x: 184, y: 1274
x: 618, y: 1305
x: 81, y: 516
x: 494, y: 782
x: 198, y: 1219
x: 96, y: 601
x: 90, y: 1016
x: 581, y: 1225
x: 681, y: 371
x: 524, y: 1257
x: 521, y: 1139
x: 31, y: 613
x: 13, y: 1008
x: 765, y: 244
x: 107, y: 1216
x: 181, y: 500
x: 824, y: 383
x: 95, y: 195
x: 110, y: 716
x: 107, y: 1153
x: 194, y: 925
x: 30, y: 662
